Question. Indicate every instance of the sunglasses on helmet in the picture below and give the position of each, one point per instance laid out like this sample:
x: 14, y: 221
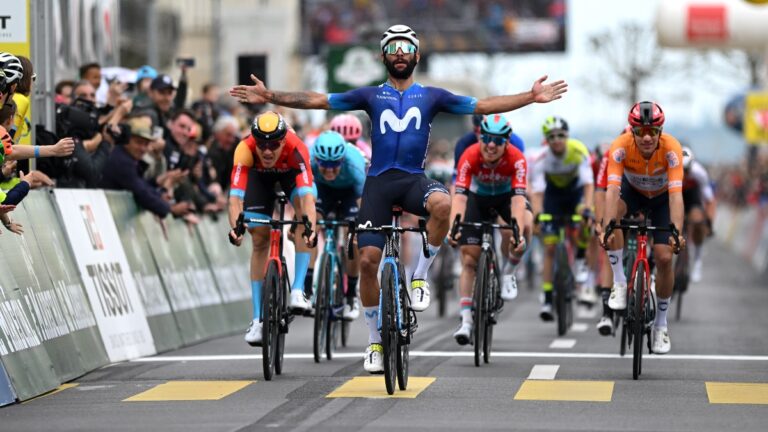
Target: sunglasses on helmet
x: 268, y: 145
x: 392, y: 47
x: 646, y: 130
x: 496, y: 139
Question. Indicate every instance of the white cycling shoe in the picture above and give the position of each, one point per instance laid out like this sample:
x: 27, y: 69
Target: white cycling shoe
x: 253, y: 335
x: 299, y: 302
x: 373, y: 362
x: 618, y: 299
x: 582, y: 274
x: 419, y: 295
x: 696, y: 271
x: 508, y: 287
x: 462, y: 335
x: 605, y: 326
x: 588, y: 295
x: 660, y: 343
x: 351, y: 312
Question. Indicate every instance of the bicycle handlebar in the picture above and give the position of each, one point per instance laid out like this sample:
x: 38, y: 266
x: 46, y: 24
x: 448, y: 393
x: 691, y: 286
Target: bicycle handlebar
x: 353, y: 230
x: 457, y: 224
x: 642, y: 228
x: 241, y: 222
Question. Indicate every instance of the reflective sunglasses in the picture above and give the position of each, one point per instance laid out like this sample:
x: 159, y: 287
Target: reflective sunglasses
x: 496, y: 139
x: 642, y: 131
x: 560, y: 135
x: 329, y: 164
x: 268, y: 145
x: 392, y: 47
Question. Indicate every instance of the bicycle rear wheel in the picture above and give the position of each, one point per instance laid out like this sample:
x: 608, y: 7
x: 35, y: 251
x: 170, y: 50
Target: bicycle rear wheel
x: 335, y: 317
x: 284, y: 317
x: 479, y: 306
x: 388, y: 326
x: 560, y: 280
x: 270, y: 320
x: 404, y: 335
x: 681, y: 282
x: 638, y: 321
x: 321, y: 309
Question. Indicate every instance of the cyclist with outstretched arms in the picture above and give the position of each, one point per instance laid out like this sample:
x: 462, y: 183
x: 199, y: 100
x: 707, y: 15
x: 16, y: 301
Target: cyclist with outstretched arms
x: 645, y: 172
x: 491, y: 179
x: 271, y: 155
x: 562, y: 184
x: 700, y: 206
x: 401, y: 113
x: 339, y: 171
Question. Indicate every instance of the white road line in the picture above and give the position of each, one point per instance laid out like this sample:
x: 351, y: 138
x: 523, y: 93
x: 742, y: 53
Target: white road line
x: 511, y: 354
x: 563, y: 344
x: 543, y: 372
x: 579, y: 327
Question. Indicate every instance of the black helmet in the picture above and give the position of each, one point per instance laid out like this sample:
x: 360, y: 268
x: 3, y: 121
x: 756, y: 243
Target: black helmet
x: 269, y: 126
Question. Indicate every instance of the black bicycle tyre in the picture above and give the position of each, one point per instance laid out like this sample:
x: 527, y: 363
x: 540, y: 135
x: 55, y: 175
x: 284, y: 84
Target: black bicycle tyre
x: 269, y: 321
x: 638, y: 321
x: 559, y: 288
x: 403, y: 352
x: 283, y: 319
x: 682, y: 279
x: 335, y: 320
x: 321, y: 311
x: 623, y: 324
x: 478, y: 306
x: 443, y: 280
x: 388, y: 327
x: 490, y: 301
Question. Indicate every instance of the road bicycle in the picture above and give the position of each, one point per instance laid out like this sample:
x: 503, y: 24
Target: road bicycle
x: 486, y: 301
x: 563, y: 281
x: 641, y: 301
x: 275, y: 316
x: 397, y: 321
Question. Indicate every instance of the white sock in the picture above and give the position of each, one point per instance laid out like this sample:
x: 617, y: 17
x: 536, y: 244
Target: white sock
x: 580, y: 262
x: 372, y: 320
x: 615, y: 257
x: 696, y: 249
x: 423, y: 265
x: 661, y: 312
x: 465, y: 306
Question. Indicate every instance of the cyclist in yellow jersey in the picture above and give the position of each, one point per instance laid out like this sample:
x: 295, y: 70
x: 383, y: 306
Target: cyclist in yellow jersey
x: 562, y: 184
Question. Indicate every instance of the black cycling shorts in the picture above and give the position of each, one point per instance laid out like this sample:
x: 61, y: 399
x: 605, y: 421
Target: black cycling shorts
x: 479, y: 210
x: 390, y: 188
x: 658, y: 207
x: 692, y: 198
x: 260, y: 193
x: 340, y: 202
x: 560, y: 202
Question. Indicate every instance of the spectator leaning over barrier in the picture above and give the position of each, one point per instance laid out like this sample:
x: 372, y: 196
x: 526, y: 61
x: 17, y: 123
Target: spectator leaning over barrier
x: 20, y: 190
x: 21, y: 122
x: 222, y: 150
x: 5, y: 218
x: 180, y: 147
x: 123, y: 170
x: 8, y: 180
x: 62, y: 148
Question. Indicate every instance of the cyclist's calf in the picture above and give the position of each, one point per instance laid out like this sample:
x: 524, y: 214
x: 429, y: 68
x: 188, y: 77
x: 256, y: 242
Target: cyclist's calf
x: 370, y: 257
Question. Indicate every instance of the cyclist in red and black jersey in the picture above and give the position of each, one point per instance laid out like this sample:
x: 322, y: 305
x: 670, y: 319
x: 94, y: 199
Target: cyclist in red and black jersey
x: 491, y: 175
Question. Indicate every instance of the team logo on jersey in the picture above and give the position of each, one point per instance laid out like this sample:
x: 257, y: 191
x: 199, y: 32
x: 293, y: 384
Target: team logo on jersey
x: 520, y: 170
x: 672, y: 159
x: 388, y: 117
x: 619, y: 155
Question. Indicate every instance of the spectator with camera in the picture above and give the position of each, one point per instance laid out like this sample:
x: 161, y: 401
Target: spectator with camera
x: 124, y: 168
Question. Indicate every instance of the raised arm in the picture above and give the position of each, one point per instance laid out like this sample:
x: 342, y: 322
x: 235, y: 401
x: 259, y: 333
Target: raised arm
x: 539, y: 93
x: 259, y: 94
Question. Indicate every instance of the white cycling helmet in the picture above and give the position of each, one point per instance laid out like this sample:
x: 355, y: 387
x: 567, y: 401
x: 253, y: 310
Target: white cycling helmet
x: 11, y: 66
x: 399, y: 31
x: 687, y: 157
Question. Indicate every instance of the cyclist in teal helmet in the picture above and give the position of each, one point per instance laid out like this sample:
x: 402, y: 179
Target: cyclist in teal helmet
x: 339, y: 170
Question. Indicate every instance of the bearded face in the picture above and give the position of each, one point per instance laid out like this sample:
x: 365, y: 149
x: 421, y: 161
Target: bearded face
x: 400, y: 66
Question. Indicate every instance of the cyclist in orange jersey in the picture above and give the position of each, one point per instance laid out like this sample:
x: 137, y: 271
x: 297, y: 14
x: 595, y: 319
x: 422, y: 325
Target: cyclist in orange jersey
x: 645, y: 172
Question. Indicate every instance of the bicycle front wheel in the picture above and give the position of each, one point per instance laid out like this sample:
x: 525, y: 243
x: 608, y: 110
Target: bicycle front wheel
x: 559, y: 288
x: 388, y: 326
x: 335, y: 322
x: 321, y: 309
x: 404, y: 335
x: 491, y: 297
x: 479, y: 306
x: 270, y: 320
x: 638, y: 321
x: 284, y: 318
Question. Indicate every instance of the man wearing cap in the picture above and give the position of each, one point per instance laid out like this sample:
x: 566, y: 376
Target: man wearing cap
x: 123, y: 171
x: 401, y: 112
x: 144, y: 77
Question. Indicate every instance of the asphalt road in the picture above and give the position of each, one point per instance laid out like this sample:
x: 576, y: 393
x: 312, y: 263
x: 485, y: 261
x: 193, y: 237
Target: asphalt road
x: 715, y: 378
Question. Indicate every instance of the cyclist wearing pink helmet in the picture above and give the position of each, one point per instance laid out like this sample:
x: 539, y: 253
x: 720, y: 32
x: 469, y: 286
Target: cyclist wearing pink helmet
x: 349, y: 126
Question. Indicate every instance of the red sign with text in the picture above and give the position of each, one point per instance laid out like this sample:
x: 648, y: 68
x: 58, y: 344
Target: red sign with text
x: 707, y: 23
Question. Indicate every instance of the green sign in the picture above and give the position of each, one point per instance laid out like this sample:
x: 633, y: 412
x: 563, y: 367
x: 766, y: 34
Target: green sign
x: 354, y: 66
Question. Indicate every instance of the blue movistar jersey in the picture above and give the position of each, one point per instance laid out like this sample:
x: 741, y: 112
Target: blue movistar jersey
x: 352, y: 174
x: 400, y: 122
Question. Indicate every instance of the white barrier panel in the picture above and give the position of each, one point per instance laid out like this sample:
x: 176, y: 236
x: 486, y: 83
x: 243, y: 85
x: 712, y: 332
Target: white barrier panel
x: 105, y: 272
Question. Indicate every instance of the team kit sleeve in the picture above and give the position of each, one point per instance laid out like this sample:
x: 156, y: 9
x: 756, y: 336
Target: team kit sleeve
x: 464, y: 172
x: 701, y: 177
x: 675, y: 173
x: 351, y: 100
x: 602, y: 172
x: 538, y: 182
x: 520, y: 176
x: 618, y: 153
x: 454, y: 104
x: 356, y: 164
x: 243, y: 162
x: 304, y: 178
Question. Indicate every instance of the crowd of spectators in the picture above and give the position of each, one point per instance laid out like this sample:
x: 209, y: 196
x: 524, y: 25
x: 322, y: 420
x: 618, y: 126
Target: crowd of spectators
x: 744, y: 184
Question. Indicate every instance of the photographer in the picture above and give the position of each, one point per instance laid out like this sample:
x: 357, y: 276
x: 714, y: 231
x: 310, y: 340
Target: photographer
x: 79, y: 120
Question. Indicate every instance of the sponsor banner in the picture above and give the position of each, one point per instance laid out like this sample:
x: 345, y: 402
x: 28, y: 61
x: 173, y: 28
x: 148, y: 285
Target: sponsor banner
x: 231, y: 269
x: 352, y: 66
x: 7, y: 396
x: 197, y: 310
x: 106, y: 274
x: 162, y: 323
x: 756, y: 118
x: 56, y: 297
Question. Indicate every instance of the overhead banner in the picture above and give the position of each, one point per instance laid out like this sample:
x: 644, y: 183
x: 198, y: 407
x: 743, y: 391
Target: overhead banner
x: 756, y: 118
x: 106, y: 274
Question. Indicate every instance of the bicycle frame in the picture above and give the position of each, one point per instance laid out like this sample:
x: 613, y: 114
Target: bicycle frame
x: 640, y: 259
